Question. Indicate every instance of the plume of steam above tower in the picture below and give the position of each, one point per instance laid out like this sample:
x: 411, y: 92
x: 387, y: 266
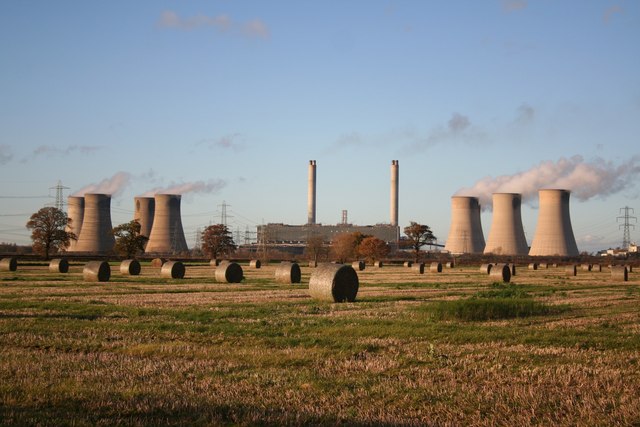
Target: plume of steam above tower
x: 596, y: 178
x: 112, y: 186
x: 200, y: 187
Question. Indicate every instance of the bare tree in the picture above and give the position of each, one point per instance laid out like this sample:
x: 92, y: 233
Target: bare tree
x: 129, y: 241
x: 315, y: 248
x: 217, y: 240
x: 419, y: 235
x: 48, y: 231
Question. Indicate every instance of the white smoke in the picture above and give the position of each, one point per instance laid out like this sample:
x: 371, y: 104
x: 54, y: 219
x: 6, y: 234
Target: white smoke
x: 113, y: 186
x: 201, y: 187
x: 597, y: 178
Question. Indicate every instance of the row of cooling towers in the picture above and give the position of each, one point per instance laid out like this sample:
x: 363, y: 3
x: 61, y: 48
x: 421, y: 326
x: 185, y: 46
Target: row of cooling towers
x: 553, y: 236
x: 159, y: 218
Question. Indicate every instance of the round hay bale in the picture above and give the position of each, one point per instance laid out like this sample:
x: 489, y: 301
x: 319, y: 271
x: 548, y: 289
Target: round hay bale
x: 435, y: 267
x: 418, y: 267
x: 571, y: 270
x: 173, y: 270
x: 288, y: 272
x: 96, y: 271
x: 630, y: 268
x: 533, y: 266
x: 214, y: 262
x: 157, y: 262
x: 407, y: 264
x: 554, y: 265
x: 543, y: 266
x: 486, y: 268
x: 255, y: 263
x: 450, y: 264
x: 9, y: 264
x: 501, y: 272
x: 597, y: 268
x: 586, y: 267
x: 334, y: 282
x: 229, y: 272
x: 313, y: 264
x: 130, y: 267
x: 59, y: 265
x: 513, y: 269
x: 358, y: 265
x: 620, y: 273
x: 377, y: 264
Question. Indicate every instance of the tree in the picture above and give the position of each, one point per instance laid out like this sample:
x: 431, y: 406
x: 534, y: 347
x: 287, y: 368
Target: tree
x: 345, y: 246
x: 48, y: 231
x: 372, y: 248
x: 217, y: 240
x: 129, y: 241
x: 419, y: 235
x: 315, y: 248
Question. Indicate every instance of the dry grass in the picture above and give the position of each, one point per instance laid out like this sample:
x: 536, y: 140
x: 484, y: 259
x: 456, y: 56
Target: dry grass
x: 149, y: 350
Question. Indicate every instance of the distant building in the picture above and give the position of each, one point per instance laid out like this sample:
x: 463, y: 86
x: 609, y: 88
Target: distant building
x: 299, y: 234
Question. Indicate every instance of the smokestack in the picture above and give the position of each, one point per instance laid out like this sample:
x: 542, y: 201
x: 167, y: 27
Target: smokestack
x: 75, y: 212
x: 465, y: 234
x: 554, y: 234
x: 507, y: 234
x: 395, y: 166
x: 144, y: 211
x: 95, y: 234
x: 167, y: 235
x: 311, y: 198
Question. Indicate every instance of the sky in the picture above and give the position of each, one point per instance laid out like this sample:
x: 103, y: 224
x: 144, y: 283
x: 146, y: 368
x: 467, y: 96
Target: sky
x: 226, y: 101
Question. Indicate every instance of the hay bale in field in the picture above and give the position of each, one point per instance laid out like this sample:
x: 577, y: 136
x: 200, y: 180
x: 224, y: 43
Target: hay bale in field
x: 130, y: 267
x: 586, y: 267
x: 313, y: 264
x: 214, y: 262
x: 533, y: 266
x: 543, y: 266
x: 435, y: 267
x: 334, y: 282
x: 501, y: 272
x: 620, y: 273
x: 377, y: 264
x: 407, y: 264
x: 157, y: 262
x: 255, y: 263
x: 229, y: 272
x: 358, y: 265
x: 96, y: 271
x: 571, y: 270
x: 59, y: 265
x: 486, y: 268
x: 450, y: 264
x: 173, y: 270
x: 630, y: 268
x: 513, y: 269
x: 554, y: 265
x: 9, y: 264
x: 418, y: 267
x: 596, y: 268
x: 288, y: 272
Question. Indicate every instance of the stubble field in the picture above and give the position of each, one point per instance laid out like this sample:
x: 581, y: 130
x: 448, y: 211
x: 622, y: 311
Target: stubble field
x: 432, y: 349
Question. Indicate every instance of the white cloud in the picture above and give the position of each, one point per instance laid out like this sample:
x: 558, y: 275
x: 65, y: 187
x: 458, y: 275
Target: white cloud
x: 513, y: 5
x: 223, y: 23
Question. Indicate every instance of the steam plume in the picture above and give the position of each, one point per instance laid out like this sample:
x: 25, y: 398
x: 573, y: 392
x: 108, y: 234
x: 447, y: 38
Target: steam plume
x: 113, y: 186
x: 598, y: 178
x: 201, y: 187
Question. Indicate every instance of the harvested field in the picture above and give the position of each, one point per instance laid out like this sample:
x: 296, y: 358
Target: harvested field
x: 141, y: 350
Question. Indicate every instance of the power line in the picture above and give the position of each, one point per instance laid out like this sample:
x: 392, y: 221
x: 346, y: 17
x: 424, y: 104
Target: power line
x: 626, y: 226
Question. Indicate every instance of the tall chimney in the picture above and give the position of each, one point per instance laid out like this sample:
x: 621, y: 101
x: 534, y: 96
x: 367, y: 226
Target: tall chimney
x: 395, y: 180
x: 144, y: 211
x: 554, y: 234
x: 95, y: 234
x: 75, y: 212
x: 167, y: 235
x: 311, y: 197
x: 507, y: 234
x: 465, y: 234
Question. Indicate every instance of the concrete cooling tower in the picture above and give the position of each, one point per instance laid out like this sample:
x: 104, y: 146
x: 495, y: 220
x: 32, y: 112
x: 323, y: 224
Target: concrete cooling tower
x: 554, y: 234
x: 507, y: 234
x: 465, y: 234
x: 95, y: 234
x: 75, y: 212
x: 167, y: 235
x: 144, y: 211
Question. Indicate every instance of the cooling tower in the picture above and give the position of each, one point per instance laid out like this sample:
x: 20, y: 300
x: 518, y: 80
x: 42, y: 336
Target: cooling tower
x: 395, y: 166
x: 75, y: 212
x: 311, y: 197
x: 507, y: 234
x: 167, y: 235
x: 465, y: 234
x: 95, y: 234
x: 144, y: 210
x: 554, y: 235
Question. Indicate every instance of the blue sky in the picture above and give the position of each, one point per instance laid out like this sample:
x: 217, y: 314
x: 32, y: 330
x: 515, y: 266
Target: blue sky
x: 232, y: 98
